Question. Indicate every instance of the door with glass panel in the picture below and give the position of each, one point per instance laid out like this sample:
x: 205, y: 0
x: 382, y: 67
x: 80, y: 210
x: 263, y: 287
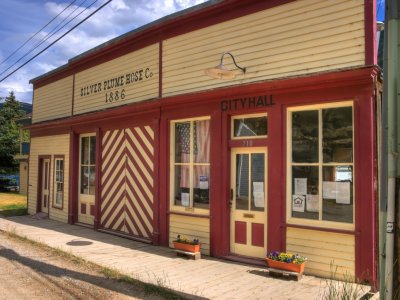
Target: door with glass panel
x: 248, y: 233
x: 45, y: 192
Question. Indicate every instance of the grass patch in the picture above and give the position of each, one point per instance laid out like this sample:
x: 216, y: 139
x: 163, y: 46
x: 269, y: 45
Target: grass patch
x: 12, y: 204
x: 147, y: 288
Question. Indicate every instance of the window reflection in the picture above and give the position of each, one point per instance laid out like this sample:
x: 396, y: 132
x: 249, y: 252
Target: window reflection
x: 256, y: 126
x: 305, y: 136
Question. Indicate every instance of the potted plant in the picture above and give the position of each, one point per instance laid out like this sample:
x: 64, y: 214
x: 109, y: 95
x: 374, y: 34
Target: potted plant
x: 286, y: 261
x: 184, y: 244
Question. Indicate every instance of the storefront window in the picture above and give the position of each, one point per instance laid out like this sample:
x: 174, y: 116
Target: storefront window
x: 321, y: 163
x: 88, y: 165
x: 191, y: 164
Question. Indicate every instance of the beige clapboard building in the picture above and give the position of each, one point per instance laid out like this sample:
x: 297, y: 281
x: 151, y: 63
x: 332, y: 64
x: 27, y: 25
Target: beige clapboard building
x: 135, y: 139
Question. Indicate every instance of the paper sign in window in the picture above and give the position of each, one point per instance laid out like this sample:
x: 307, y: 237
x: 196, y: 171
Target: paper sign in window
x: 258, y: 187
x: 329, y: 190
x: 300, y: 186
x: 312, y: 203
x: 298, y: 203
x: 343, y: 192
x: 258, y: 199
x: 185, y: 198
x: 203, y: 182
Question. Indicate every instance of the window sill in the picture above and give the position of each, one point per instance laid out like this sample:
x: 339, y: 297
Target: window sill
x: 188, y: 214
x: 321, y: 225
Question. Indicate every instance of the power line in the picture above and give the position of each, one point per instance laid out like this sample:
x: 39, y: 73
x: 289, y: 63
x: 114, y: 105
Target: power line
x: 36, y: 55
x: 15, y: 51
x: 47, y: 36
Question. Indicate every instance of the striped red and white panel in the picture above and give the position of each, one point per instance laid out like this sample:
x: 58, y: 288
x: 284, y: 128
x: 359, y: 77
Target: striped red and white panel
x: 127, y: 181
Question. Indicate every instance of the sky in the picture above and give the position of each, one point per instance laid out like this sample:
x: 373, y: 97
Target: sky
x: 21, y: 19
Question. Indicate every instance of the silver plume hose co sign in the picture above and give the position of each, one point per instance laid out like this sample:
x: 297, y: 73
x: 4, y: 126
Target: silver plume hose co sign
x: 114, y: 88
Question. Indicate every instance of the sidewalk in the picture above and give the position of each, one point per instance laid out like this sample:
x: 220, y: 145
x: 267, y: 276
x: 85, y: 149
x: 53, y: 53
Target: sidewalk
x: 205, y: 278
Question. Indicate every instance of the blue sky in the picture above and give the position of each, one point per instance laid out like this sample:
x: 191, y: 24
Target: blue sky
x: 20, y: 19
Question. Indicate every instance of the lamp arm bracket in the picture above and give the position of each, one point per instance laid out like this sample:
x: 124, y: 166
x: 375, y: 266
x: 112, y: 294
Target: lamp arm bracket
x: 234, y: 61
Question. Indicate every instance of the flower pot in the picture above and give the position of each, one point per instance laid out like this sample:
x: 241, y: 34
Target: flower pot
x: 298, y: 268
x: 187, y: 247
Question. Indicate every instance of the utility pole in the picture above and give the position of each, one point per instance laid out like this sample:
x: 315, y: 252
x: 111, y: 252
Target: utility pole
x: 390, y: 164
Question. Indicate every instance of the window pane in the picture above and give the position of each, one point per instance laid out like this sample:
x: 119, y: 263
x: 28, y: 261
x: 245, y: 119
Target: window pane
x: 182, y: 191
x: 305, y: 136
x: 182, y: 142
x: 84, y: 180
x: 201, y: 186
x: 85, y: 151
x: 338, y: 134
x: 337, y: 194
x: 93, y: 150
x: 257, y: 181
x: 305, y: 192
x: 92, y: 177
x: 201, y: 145
x: 250, y: 126
x: 242, y: 181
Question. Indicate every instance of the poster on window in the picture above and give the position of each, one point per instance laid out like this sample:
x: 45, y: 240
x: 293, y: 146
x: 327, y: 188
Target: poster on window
x: 258, y: 199
x: 203, y: 182
x: 329, y: 190
x: 312, y: 203
x: 185, y: 198
x: 300, y: 186
x: 343, y: 192
x: 298, y: 203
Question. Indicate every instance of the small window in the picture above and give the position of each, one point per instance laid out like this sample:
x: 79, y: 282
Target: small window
x: 58, y: 182
x: 190, y: 165
x: 250, y: 126
x: 88, y: 165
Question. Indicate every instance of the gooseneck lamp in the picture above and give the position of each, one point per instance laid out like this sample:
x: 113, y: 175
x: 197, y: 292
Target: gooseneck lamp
x: 222, y: 72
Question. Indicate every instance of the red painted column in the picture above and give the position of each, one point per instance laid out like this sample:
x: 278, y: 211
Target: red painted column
x: 276, y: 214
x: 163, y: 182
x: 216, y: 205
x: 156, y: 176
x: 73, y: 177
x: 97, y: 199
x: 365, y: 215
x: 225, y: 187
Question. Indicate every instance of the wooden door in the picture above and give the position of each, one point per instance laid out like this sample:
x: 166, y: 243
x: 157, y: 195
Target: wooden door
x: 248, y: 234
x: 45, y: 188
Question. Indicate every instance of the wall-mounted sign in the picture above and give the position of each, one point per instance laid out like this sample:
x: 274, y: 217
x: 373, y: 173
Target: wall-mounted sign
x: 114, y: 88
x: 247, y: 102
x: 129, y: 78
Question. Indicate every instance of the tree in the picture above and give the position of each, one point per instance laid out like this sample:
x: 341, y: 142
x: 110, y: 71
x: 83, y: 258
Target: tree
x: 10, y: 111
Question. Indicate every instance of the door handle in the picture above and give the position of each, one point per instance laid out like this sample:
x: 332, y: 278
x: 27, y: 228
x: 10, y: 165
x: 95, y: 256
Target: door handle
x: 231, y: 198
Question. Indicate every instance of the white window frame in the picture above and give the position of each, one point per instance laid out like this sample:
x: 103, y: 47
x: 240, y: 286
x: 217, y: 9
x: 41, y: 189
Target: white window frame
x: 55, y: 203
x: 84, y: 195
x: 320, y: 164
x: 191, y: 164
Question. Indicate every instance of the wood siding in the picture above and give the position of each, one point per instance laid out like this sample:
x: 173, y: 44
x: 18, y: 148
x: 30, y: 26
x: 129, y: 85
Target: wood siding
x: 49, y: 145
x: 99, y: 76
x: 191, y: 228
x: 298, y: 38
x: 23, y: 177
x: 323, y: 249
x: 53, y: 101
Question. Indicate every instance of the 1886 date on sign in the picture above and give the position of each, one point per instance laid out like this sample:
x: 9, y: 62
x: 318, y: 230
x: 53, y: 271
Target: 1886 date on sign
x: 115, y: 96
